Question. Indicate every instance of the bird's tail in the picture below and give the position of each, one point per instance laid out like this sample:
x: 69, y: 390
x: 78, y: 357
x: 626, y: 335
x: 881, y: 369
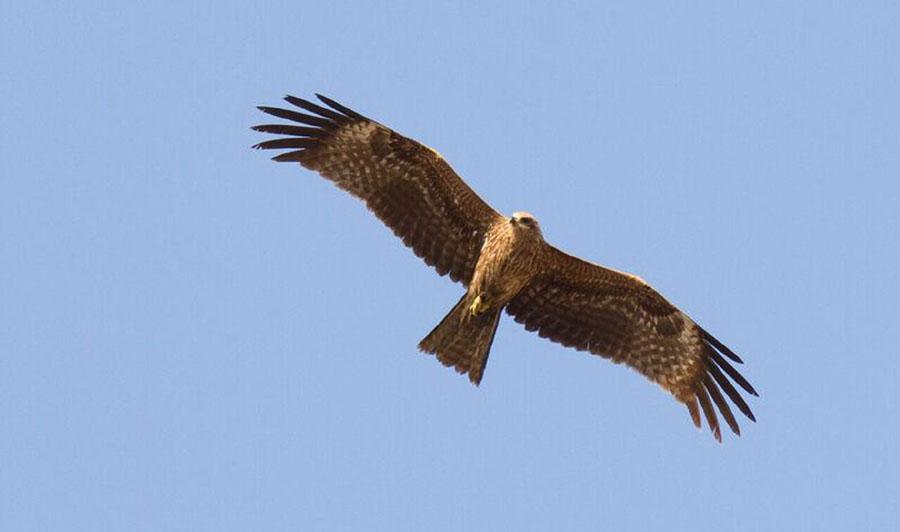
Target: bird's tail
x: 462, y: 340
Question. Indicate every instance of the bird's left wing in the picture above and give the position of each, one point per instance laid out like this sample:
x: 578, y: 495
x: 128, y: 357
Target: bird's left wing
x: 620, y: 317
x: 409, y: 186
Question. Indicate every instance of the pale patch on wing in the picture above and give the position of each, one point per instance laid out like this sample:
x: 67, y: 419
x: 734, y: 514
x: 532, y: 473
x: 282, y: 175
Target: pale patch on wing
x: 434, y: 151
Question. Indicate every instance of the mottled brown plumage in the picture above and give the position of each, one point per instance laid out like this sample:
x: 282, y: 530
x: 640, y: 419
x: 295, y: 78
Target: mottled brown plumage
x: 506, y: 264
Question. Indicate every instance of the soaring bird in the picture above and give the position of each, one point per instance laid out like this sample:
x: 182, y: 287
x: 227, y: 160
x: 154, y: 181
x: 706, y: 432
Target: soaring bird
x: 505, y: 264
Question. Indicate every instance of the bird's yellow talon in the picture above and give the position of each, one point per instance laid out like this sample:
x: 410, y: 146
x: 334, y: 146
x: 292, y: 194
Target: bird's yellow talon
x: 476, y: 307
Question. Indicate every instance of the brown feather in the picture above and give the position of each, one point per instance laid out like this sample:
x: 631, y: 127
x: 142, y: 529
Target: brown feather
x: 290, y: 157
x: 290, y: 142
x: 692, y: 408
x: 407, y: 185
x: 620, y: 317
x: 709, y: 412
x: 721, y: 404
x: 282, y: 129
x: 463, y: 341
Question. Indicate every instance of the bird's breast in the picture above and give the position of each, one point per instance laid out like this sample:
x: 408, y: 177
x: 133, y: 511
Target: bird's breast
x: 504, y: 266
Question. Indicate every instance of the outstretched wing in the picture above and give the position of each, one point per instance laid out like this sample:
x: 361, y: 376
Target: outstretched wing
x: 620, y: 317
x: 407, y: 185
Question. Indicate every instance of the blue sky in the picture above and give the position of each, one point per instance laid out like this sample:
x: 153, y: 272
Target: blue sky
x: 196, y: 338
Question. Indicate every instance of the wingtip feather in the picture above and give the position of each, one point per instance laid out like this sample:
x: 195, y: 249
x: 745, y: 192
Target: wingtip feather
x: 729, y: 389
x: 733, y: 373
x: 289, y: 157
x: 720, y: 346
x: 711, y: 418
x: 338, y: 107
x: 720, y: 402
x: 694, y: 411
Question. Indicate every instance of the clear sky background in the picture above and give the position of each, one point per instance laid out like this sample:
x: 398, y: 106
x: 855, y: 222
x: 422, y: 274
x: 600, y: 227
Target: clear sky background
x: 195, y: 338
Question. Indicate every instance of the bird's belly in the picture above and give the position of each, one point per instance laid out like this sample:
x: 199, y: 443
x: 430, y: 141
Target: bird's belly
x: 499, y: 283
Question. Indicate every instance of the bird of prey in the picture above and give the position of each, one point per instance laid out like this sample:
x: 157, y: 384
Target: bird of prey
x: 505, y: 264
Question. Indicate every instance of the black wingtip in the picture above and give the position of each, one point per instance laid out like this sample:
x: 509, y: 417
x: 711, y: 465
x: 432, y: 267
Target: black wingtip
x: 316, y: 109
x: 722, y: 404
x: 720, y: 346
x: 289, y: 157
x: 713, y: 370
x: 338, y: 107
x: 694, y: 411
x: 749, y: 388
x: 733, y: 373
x: 710, y: 413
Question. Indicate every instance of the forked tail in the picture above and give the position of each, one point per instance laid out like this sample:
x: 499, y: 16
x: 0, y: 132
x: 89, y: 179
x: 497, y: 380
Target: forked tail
x: 462, y: 340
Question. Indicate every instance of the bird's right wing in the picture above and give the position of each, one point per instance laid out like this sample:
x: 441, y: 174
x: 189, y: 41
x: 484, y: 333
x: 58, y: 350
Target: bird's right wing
x: 409, y: 186
x: 620, y: 317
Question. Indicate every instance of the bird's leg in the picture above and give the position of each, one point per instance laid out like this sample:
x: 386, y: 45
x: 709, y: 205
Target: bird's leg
x: 477, y: 306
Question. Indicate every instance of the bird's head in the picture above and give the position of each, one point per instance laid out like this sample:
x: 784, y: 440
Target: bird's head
x: 524, y: 221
